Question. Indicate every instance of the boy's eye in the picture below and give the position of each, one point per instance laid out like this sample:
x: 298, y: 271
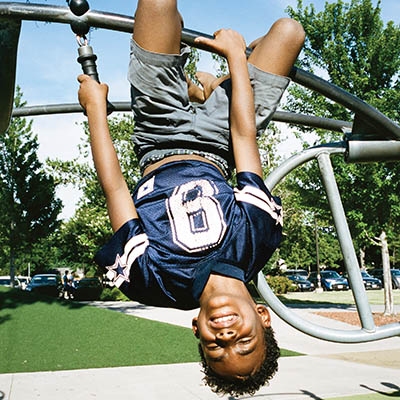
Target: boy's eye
x: 245, y: 341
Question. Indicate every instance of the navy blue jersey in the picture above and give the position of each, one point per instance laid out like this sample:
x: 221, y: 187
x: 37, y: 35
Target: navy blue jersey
x: 191, y: 223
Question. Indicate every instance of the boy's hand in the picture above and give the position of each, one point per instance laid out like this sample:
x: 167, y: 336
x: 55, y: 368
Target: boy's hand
x: 226, y: 43
x: 92, y: 93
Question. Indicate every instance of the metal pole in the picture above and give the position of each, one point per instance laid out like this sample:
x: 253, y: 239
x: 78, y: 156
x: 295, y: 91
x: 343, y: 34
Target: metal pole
x: 345, y: 241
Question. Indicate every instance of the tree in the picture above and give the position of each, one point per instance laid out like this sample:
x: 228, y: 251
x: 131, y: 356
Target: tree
x: 350, y: 45
x: 28, y: 204
x: 81, y: 236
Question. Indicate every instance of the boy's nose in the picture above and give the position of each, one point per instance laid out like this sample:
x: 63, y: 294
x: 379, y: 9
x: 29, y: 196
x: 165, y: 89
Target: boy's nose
x: 226, y: 334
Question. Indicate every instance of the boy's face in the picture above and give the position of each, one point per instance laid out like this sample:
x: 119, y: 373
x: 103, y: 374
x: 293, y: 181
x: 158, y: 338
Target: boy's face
x: 231, y: 333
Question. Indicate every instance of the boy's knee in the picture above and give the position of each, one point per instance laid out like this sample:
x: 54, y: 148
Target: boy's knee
x: 289, y: 29
x: 161, y: 6
x: 154, y: 10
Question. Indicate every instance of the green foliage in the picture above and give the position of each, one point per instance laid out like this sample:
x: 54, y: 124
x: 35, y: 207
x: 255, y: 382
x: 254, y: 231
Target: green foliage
x: 112, y: 294
x: 268, y: 146
x: 191, y: 65
x: 28, y: 204
x: 280, y: 284
x: 82, y: 235
x: 348, y: 44
x: 222, y: 65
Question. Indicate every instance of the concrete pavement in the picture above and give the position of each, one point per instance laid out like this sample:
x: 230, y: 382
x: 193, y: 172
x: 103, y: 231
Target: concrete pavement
x: 327, y: 370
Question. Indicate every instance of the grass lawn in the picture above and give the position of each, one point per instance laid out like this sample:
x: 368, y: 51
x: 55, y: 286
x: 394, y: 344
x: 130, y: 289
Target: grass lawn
x: 44, y: 334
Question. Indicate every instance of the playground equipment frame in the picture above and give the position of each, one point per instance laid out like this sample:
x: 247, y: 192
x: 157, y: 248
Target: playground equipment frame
x: 370, y: 137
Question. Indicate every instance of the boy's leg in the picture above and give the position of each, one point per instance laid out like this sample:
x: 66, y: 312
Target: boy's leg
x: 277, y: 51
x: 158, y: 26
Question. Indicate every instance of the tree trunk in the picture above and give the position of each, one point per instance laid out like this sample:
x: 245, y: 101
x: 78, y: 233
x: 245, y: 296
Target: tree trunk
x: 12, y: 270
x: 387, y: 278
x: 12, y: 255
x: 362, y: 259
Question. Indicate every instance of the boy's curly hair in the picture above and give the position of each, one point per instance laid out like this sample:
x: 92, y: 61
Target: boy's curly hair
x: 249, y: 385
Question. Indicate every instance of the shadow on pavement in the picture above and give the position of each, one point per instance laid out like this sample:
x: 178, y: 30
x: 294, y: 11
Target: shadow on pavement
x: 389, y: 385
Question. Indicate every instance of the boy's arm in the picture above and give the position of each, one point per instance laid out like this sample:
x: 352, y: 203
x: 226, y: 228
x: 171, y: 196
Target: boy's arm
x: 93, y: 98
x: 232, y: 46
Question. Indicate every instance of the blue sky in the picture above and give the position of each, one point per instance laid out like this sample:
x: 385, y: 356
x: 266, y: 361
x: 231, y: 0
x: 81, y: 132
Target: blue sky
x: 47, y: 67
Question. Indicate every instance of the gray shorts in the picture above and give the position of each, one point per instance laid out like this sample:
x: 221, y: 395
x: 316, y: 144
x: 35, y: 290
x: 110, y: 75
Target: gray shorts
x: 167, y: 123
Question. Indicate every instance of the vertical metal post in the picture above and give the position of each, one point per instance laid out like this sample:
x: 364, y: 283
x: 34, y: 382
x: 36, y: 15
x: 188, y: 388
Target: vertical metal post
x: 9, y: 37
x: 345, y: 241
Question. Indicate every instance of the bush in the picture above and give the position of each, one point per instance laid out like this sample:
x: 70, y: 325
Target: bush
x: 112, y: 294
x: 280, y: 284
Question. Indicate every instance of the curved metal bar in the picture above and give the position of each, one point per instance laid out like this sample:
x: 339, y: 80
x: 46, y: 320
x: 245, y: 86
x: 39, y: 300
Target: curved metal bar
x: 65, y: 108
x: 51, y: 13
x: 353, y: 103
x: 369, y: 331
x: 9, y: 37
x: 124, y: 106
x: 301, y: 158
x: 318, y: 331
x: 122, y: 23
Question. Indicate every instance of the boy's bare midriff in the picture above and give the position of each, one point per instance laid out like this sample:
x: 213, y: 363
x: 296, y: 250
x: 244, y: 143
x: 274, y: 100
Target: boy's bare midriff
x: 178, y: 157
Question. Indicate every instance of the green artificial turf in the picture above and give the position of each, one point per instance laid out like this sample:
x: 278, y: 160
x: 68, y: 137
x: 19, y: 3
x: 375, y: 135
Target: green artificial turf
x: 42, y: 334
x: 45, y: 334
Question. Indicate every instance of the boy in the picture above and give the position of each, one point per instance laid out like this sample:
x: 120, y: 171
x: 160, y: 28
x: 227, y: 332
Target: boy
x: 188, y: 239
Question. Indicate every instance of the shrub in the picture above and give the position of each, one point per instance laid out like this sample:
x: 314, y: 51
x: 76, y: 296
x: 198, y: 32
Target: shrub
x: 280, y: 284
x: 112, y: 294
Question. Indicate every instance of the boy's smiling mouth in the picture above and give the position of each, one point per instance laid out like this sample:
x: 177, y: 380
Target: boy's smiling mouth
x: 224, y: 321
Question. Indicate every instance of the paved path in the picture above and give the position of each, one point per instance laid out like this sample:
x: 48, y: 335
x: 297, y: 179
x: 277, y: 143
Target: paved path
x: 327, y: 370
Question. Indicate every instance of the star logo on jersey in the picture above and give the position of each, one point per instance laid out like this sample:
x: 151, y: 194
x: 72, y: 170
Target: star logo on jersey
x: 117, y: 273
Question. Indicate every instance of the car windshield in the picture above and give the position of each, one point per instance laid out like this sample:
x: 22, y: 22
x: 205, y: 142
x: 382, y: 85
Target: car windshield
x: 298, y: 278
x: 40, y: 279
x: 5, y: 281
x: 365, y: 274
x: 396, y: 272
x: 330, y: 275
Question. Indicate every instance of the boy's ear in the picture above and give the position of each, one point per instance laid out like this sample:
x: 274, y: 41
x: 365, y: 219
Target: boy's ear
x: 195, y: 329
x: 264, y: 314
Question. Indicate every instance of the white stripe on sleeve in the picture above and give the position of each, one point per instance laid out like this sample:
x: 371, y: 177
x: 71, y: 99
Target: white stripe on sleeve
x: 258, y: 198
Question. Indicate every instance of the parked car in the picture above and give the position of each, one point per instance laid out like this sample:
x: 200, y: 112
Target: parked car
x: 47, y: 284
x: 395, y: 273
x: 87, y: 289
x: 6, y: 281
x: 370, y: 282
x: 330, y: 280
x: 303, y: 284
x: 301, y: 272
